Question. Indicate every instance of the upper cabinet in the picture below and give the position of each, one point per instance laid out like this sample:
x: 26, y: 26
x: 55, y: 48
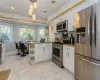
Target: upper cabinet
x: 71, y: 23
x: 55, y: 29
x: 94, y: 1
x: 46, y: 31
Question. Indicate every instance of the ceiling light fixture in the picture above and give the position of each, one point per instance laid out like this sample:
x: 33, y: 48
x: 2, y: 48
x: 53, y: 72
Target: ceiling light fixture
x: 30, y: 12
x: 33, y: 17
x: 31, y: 7
x: 35, y: 5
x: 12, y: 8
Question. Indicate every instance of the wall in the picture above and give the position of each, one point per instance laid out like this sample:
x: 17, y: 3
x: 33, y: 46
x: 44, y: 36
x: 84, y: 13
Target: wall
x: 10, y: 46
x: 68, y: 16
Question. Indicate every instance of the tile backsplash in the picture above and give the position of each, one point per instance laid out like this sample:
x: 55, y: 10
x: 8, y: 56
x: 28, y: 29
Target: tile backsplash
x: 60, y: 34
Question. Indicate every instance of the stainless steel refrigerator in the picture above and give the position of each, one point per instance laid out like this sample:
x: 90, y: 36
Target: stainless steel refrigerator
x: 87, y: 43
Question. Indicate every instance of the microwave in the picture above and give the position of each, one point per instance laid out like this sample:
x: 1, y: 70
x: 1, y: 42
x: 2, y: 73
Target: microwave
x: 62, y: 26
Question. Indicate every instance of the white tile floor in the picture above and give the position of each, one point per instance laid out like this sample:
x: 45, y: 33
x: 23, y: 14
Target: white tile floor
x: 21, y: 69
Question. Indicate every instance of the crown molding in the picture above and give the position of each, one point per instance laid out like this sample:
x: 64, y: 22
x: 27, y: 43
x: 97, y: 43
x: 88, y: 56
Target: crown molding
x: 66, y: 11
x: 15, y: 19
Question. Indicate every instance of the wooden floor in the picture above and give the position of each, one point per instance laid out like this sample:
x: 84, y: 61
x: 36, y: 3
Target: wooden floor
x: 4, y: 74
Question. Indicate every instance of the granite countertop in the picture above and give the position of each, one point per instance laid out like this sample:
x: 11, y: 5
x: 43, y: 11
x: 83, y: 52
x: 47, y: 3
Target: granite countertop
x: 69, y: 45
x: 39, y: 42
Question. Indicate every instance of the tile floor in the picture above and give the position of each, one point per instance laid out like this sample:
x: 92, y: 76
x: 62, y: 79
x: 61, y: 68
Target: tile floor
x: 21, y: 69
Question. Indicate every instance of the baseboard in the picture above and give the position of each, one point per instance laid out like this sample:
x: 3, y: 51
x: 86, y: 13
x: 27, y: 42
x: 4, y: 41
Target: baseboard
x: 11, y: 53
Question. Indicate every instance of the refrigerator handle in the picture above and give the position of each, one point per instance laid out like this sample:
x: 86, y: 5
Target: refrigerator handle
x: 90, y: 62
x: 95, y: 30
x: 90, y: 31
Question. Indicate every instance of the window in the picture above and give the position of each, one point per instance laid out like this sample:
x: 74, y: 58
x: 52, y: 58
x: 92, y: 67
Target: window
x: 27, y: 34
x: 5, y: 32
x: 41, y: 33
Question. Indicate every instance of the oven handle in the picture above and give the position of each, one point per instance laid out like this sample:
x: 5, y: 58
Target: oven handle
x: 57, y: 47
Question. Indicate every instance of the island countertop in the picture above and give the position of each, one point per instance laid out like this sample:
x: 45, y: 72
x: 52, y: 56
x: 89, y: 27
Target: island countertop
x: 69, y: 45
x: 39, y: 42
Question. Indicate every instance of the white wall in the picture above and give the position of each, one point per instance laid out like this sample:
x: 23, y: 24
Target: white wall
x: 67, y: 16
x: 10, y: 46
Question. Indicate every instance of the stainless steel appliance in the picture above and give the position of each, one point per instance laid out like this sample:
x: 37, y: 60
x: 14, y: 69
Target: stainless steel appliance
x: 57, y: 56
x: 62, y: 26
x: 87, y: 45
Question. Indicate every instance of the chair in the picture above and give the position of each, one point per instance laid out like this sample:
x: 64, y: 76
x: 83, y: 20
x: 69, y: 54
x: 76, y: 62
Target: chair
x: 23, y: 49
x: 18, y: 48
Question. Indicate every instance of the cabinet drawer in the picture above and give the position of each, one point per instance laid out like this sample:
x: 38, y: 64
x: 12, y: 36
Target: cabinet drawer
x: 67, y: 48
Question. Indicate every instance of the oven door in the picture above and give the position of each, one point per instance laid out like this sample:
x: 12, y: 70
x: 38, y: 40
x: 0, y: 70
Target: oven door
x: 57, y: 51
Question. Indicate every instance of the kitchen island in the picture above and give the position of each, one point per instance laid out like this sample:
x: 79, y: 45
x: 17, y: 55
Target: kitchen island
x: 40, y: 51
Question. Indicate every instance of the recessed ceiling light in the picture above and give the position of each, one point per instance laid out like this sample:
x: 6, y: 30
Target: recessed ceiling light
x: 12, y: 8
x: 53, y: 2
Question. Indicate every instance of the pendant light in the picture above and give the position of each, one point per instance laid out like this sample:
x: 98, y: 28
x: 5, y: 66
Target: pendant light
x: 35, y: 5
x: 30, y: 13
x: 31, y: 7
x: 33, y: 17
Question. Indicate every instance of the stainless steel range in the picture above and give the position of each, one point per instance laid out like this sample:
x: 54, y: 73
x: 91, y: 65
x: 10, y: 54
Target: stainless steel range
x: 57, y: 56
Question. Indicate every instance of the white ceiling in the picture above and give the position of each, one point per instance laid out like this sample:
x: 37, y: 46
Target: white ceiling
x: 22, y: 7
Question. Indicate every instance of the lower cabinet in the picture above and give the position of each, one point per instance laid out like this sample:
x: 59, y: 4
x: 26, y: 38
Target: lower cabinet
x: 2, y: 53
x: 68, y: 57
x: 43, y: 52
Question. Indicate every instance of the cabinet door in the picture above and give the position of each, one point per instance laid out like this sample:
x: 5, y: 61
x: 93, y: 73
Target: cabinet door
x: 45, y: 52
x: 94, y: 1
x: 71, y: 60
x: 68, y: 58
x: 3, y: 53
x: 49, y: 51
x: 71, y: 22
x: 39, y: 53
x: 65, y: 59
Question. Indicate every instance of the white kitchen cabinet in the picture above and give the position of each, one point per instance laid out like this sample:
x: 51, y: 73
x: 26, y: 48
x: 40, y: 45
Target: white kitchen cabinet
x: 2, y: 52
x: 94, y: 1
x: 71, y: 22
x: 43, y: 52
x: 68, y: 57
x: 49, y: 51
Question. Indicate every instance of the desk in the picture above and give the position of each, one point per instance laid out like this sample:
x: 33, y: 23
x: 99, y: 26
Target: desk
x: 26, y: 44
